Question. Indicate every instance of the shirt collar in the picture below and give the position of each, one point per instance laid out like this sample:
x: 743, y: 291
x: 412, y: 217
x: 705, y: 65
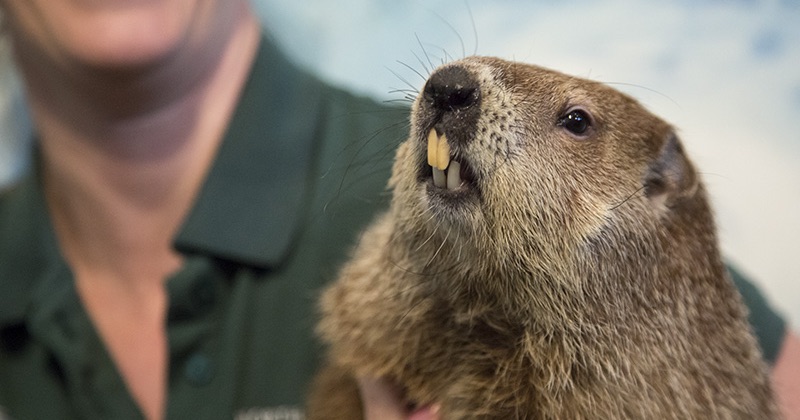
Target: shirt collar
x: 28, y: 250
x: 252, y: 204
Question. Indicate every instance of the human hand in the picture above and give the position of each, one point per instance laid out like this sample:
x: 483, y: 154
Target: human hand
x: 383, y: 400
x: 786, y: 376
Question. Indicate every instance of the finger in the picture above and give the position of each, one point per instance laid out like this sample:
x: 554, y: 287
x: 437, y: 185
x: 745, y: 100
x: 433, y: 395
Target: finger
x: 425, y: 413
x: 381, y: 400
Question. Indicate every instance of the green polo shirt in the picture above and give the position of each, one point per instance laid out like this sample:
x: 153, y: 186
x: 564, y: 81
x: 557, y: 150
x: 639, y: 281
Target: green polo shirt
x: 302, y: 168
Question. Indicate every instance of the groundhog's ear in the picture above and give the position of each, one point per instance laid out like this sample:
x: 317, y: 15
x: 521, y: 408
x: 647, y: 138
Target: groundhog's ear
x: 671, y: 175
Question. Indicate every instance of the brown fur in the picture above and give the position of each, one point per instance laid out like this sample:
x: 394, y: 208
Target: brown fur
x: 579, y: 278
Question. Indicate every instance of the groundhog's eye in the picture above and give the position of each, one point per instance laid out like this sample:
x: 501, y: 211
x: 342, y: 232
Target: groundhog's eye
x: 576, y: 121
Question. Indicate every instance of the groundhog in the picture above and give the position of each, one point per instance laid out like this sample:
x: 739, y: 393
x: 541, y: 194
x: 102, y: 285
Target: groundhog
x: 549, y: 253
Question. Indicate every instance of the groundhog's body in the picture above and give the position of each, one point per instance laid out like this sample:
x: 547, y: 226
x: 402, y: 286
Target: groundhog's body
x: 570, y: 271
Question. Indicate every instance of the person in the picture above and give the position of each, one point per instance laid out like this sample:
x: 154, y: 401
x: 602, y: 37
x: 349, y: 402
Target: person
x: 191, y: 192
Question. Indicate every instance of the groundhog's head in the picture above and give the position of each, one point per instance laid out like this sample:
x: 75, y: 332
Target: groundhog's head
x: 528, y: 167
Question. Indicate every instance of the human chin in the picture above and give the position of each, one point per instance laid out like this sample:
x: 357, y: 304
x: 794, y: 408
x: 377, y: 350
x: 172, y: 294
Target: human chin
x: 102, y: 32
x: 130, y: 37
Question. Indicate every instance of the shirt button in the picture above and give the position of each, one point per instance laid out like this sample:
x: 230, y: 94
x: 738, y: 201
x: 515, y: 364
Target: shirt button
x: 199, y: 369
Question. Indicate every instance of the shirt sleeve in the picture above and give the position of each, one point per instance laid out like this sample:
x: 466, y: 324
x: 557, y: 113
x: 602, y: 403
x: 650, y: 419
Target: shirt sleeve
x: 767, y: 324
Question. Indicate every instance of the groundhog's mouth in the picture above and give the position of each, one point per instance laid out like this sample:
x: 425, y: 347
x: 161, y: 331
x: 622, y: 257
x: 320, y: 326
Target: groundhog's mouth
x: 446, y: 171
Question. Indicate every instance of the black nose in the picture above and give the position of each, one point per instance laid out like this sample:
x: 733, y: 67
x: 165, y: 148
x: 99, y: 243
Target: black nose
x: 451, y: 88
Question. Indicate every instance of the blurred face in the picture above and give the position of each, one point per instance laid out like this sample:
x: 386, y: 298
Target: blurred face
x: 109, y: 33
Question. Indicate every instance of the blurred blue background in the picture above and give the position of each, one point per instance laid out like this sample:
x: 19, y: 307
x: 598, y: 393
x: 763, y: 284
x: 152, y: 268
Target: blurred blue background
x: 725, y: 73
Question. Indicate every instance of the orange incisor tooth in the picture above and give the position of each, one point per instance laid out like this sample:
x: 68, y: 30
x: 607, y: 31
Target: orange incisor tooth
x: 443, y: 154
x: 438, y: 150
x: 433, y: 147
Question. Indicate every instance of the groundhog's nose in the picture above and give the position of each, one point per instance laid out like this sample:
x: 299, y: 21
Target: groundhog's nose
x: 451, y: 88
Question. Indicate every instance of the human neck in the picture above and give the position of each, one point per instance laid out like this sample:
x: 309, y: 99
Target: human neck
x: 121, y: 168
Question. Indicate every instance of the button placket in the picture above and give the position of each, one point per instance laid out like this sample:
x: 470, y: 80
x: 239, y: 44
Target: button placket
x: 194, y: 294
x: 203, y: 295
